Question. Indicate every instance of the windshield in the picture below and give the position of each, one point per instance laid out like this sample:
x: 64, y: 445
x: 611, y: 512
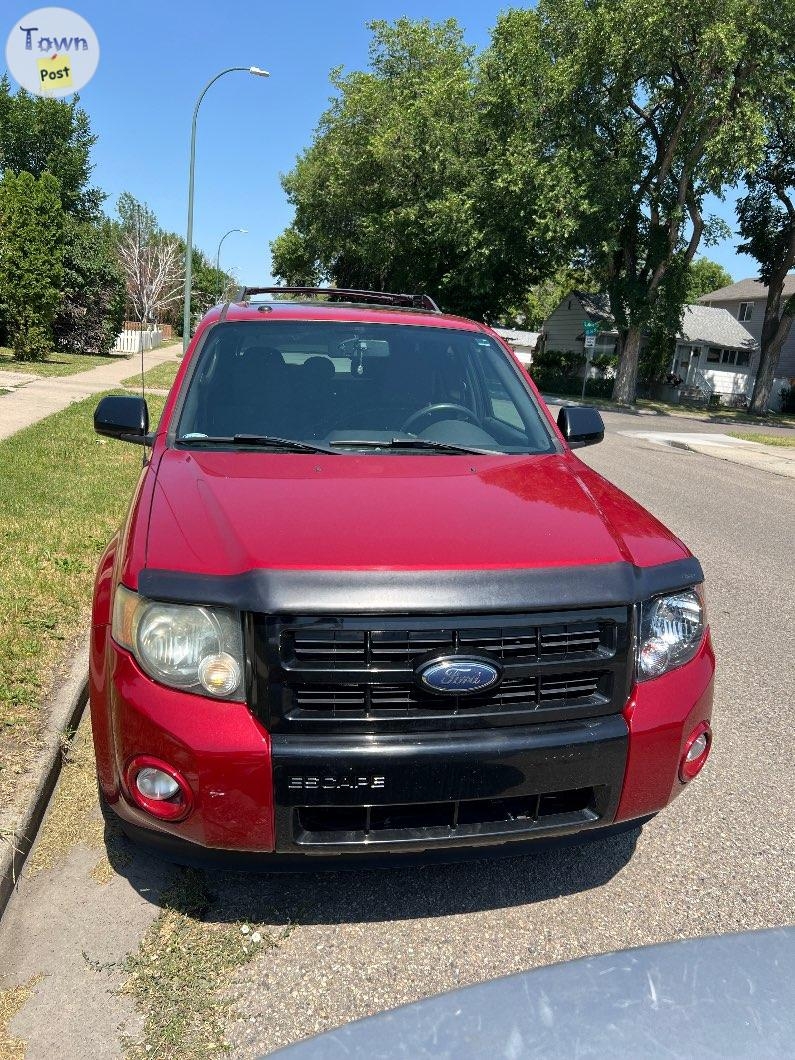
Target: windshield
x: 359, y: 387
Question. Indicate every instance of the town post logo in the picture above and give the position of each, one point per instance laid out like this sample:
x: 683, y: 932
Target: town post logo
x: 52, y: 51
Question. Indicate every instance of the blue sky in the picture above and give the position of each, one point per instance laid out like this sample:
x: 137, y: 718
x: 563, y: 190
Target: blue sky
x: 155, y: 58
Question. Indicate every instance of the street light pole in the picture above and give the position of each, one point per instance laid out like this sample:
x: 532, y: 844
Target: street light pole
x: 257, y: 72
x: 218, y: 254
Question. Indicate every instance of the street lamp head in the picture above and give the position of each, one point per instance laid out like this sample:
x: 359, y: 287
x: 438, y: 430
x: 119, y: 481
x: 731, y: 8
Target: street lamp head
x: 258, y: 72
x: 243, y: 230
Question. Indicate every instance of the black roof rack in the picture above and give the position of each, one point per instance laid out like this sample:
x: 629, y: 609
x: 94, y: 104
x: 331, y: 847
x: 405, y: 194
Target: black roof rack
x: 345, y: 294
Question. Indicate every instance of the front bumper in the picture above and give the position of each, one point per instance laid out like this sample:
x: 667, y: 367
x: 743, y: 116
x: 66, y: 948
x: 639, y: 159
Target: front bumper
x: 324, y: 795
x: 395, y: 793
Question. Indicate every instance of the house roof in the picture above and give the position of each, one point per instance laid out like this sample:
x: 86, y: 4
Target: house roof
x: 519, y: 338
x: 746, y: 291
x: 597, y: 306
x: 700, y: 323
x: 715, y: 327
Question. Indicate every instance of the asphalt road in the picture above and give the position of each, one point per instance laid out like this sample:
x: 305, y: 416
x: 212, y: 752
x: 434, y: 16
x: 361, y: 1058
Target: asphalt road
x: 720, y: 859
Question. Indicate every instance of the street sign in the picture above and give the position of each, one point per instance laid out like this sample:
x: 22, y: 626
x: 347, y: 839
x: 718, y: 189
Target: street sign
x: 590, y: 331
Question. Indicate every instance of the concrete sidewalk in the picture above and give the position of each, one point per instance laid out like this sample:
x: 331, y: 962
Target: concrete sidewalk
x: 773, y: 459
x: 33, y: 397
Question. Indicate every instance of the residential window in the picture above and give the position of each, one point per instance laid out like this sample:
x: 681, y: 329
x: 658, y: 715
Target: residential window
x: 713, y: 356
x: 728, y: 356
x: 743, y: 358
x: 746, y: 311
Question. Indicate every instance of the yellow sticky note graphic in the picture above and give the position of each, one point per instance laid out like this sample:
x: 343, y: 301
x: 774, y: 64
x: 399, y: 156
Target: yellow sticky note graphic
x: 55, y: 72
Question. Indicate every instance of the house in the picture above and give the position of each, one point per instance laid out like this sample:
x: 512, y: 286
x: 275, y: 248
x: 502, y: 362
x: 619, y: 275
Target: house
x: 745, y: 301
x: 523, y: 343
x: 563, y: 328
x: 714, y: 352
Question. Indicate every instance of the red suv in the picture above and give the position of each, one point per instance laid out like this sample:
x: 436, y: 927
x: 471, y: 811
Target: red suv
x: 367, y: 599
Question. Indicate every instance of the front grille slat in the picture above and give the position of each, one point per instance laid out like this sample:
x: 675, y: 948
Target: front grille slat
x: 318, y: 825
x: 358, y: 674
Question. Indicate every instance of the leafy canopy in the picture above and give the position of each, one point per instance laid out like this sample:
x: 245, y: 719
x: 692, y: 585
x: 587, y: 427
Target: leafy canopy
x: 381, y: 195
x: 703, y: 277
x: 653, y: 107
x: 40, y: 135
x: 766, y: 215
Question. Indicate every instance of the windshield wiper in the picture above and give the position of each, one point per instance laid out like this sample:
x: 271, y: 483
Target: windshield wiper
x: 265, y: 441
x: 411, y: 443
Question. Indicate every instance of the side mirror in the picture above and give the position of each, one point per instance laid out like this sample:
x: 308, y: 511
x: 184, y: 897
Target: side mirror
x: 125, y: 418
x: 581, y: 425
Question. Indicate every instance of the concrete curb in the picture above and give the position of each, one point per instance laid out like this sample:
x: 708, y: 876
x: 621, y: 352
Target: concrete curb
x: 65, y: 708
x: 756, y: 458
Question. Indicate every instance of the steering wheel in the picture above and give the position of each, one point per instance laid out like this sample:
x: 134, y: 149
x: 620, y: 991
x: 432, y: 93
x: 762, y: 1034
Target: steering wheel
x: 439, y: 411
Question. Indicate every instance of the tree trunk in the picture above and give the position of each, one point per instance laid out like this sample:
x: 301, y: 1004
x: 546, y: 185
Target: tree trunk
x: 627, y: 375
x: 774, y: 333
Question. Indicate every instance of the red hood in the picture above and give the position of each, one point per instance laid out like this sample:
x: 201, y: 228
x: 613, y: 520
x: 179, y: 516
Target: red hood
x: 226, y: 513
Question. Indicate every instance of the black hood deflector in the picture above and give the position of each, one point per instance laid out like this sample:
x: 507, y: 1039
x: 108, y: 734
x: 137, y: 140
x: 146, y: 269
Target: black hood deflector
x: 419, y: 592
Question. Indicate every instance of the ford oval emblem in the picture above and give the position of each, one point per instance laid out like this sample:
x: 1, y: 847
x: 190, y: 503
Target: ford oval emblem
x: 458, y: 675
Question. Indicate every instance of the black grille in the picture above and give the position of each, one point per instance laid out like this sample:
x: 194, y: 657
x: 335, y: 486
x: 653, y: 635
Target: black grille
x: 320, y: 674
x: 329, y: 647
x: 319, y: 825
x: 529, y: 691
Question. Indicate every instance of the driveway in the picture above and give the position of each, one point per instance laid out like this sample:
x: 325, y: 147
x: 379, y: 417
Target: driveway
x: 344, y: 945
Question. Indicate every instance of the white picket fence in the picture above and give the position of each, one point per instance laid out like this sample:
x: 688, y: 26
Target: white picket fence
x: 133, y: 341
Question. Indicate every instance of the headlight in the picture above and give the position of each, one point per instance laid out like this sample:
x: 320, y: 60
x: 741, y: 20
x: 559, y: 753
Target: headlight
x: 671, y: 628
x: 198, y: 649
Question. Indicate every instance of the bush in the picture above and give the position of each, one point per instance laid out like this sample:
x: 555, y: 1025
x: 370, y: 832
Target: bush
x: 91, y: 310
x: 555, y: 372
x: 787, y: 394
x: 31, y: 260
x: 571, y: 386
x: 32, y: 341
x: 558, y: 362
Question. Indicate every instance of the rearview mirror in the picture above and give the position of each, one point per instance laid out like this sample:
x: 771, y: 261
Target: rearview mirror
x: 581, y: 425
x: 125, y: 418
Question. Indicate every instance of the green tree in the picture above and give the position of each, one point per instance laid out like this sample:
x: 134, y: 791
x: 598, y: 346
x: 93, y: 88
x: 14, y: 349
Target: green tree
x: 703, y: 277
x: 91, y: 308
x: 40, y: 135
x: 135, y: 216
x: 31, y: 260
x: 521, y: 245
x: 650, y: 108
x: 766, y: 216
x: 382, y: 195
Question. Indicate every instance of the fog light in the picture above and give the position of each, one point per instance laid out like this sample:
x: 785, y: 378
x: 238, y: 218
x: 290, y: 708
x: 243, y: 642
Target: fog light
x: 156, y: 784
x: 158, y: 788
x: 219, y: 674
x: 697, y: 750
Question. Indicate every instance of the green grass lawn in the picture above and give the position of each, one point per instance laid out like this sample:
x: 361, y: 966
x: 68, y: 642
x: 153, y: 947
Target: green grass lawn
x: 766, y: 439
x: 65, y: 490
x: 160, y: 377
x: 56, y: 363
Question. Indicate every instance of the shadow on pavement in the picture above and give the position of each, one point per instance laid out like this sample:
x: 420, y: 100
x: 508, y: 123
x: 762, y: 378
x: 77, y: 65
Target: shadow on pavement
x: 403, y: 892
